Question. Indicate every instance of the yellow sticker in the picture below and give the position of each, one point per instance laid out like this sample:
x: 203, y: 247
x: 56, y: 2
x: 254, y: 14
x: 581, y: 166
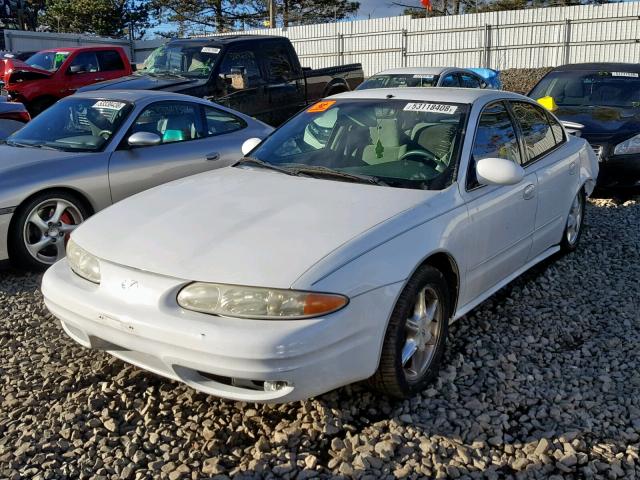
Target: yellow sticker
x: 321, y: 106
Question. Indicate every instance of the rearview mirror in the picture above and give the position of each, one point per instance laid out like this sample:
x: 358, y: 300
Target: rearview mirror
x: 250, y: 144
x: 498, y: 171
x: 572, y: 127
x: 144, y: 139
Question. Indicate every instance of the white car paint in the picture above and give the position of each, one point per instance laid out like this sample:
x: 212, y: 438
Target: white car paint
x: 261, y: 228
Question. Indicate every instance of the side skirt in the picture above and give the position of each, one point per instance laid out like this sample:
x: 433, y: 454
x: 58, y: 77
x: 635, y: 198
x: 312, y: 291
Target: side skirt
x: 478, y: 300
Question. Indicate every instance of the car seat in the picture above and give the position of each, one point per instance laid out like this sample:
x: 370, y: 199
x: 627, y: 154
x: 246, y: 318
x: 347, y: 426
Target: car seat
x: 437, y: 139
x: 178, y: 129
x: 385, y: 146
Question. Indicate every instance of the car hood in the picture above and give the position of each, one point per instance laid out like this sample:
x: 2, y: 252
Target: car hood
x: 239, y: 226
x: 19, y: 66
x: 146, y: 82
x: 603, y: 123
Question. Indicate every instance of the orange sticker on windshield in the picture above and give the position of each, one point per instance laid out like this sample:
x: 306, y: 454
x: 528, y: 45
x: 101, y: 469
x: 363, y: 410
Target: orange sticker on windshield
x: 321, y: 106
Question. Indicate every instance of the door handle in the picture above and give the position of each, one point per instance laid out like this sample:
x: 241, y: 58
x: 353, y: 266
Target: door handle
x: 98, y: 79
x: 529, y: 191
x: 212, y: 156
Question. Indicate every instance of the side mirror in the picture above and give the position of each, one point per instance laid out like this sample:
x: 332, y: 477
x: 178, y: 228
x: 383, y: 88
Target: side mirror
x: 498, y: 171
x: 73, y: 69
x: 144, y: 139
x: 572, y: 127
x: 250, y: 144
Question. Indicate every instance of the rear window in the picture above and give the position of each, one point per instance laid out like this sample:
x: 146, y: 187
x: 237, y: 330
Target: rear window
x: 399, y: 81
x: 110, y: 60
x: 587, y: 88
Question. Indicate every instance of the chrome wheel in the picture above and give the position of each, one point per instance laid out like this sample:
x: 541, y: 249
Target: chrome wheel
x: 422, y: 331
x: 574, y: 222
x: 47, y: 229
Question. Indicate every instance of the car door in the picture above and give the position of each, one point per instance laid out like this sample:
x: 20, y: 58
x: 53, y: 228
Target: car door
x: 242, y: 86
x: 285, y: 82
x: 111, y: 65
x: 501, y: 218
x: 555, y: 169
x: 186, y: 148
x: 83, y: 70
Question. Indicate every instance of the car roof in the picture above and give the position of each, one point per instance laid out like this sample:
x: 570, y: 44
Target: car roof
x: 136, y: 95
x: 221, y: 40
x: 421, y: 71
x: 601, y: 66
x: 74, y: 49
x: 442, y: 94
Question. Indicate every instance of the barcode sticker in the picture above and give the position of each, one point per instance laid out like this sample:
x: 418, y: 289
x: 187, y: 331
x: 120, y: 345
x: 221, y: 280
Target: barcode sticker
x: 423, y: 75
x: 210, y: 50
x: 109, y: 105
x: 430, y: 107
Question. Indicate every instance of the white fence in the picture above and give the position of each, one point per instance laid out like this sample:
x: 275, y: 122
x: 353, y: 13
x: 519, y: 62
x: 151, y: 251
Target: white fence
x: 513, y: 39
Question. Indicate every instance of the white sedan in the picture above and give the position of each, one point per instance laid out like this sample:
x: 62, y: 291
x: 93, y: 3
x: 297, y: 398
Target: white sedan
x: 340, y: 249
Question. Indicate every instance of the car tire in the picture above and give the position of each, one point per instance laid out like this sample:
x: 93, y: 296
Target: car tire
x: 574, y: 224
x: 41, y: 227
x: 419, y: 323
x: 39, y: 105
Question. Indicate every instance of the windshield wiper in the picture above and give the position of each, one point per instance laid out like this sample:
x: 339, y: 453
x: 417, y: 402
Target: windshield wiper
x: 13, y: 143
x: 315, y: 170
x: 262, y: 164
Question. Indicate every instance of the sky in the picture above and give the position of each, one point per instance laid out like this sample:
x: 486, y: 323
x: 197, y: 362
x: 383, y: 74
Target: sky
x: 381, y: 8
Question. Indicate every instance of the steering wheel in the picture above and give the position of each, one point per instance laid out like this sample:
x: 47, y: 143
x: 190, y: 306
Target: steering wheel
x: 105, y: 134
x: 426, y: 157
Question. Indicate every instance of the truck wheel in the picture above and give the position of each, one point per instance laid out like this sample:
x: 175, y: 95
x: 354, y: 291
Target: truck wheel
x: 39, y: 105
x: 416, y: 336
x: 41, y: 229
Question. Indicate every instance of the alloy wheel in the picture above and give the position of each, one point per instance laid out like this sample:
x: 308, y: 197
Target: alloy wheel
x: 574, y: 221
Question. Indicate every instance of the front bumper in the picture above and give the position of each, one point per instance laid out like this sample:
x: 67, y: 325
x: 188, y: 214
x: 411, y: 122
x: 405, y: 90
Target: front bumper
x: 5, y: 220
x: 133, y: 315
x: 620, y: 171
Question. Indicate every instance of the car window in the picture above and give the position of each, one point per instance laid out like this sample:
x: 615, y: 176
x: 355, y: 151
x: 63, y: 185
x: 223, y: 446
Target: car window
x: 450, y: 80
x: 75, y: 124
x: 110, y: 60
x: 171, y: 121
x: 495, y: 138
x: 556, y: 128
x: 240, y: 69
x: 536, y: 131
x: 50, y: 61
x: 399, y: 80
x: 220, y: 122
x: 279, y: 65
x: 87, y: 61
x: 469, y: 81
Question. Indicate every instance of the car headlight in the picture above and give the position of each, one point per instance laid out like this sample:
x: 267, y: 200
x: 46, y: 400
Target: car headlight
x: 83, y: 263
x: 628, y: 147
x: 257, y: 303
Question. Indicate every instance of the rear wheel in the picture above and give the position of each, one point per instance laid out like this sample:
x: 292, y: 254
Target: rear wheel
x: 42, y: 227
x: 416, y: 336
x: 573, y: 227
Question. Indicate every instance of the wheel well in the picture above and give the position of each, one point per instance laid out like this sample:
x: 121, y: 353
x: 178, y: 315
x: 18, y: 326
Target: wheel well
x: 336, y: 88
x: 448, y: 267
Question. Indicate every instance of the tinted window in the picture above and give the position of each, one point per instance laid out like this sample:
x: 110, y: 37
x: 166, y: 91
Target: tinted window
x: 278, y: 63
x: 399, y: 81
x: 110, y: 60
x: 87, y: 61
x: 188, y: 60
x: 241, y: 69
x: 171, y: 121
x: 556, y: 128
x: 219, y: 122
x: 469, y: 81
x: 536, y: 131
x: 495, y: 138
x: 450, y: 80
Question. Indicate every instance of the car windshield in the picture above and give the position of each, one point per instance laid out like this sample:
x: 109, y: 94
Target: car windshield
x: 399, y: 81
x: 74, y: 124
x: 184, y: 60
x: 589, y: 88
x: 50, y: 61
x: 398, y: 143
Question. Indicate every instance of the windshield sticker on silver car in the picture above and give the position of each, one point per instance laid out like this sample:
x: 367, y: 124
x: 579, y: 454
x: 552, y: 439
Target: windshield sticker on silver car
x: 213, y: 50
x: 625, y: 74
x: 423, y: 75
x: 430, y: 107
x: 109, y: 105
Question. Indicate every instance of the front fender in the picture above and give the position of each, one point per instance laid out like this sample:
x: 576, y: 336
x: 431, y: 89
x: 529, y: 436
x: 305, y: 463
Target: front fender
x: 589, y: 168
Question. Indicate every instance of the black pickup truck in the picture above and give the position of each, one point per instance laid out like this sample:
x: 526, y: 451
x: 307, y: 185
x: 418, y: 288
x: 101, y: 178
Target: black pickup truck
x: 257, y: 75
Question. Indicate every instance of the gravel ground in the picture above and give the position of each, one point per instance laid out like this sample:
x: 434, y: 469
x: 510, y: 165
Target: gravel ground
x: 542, y: 380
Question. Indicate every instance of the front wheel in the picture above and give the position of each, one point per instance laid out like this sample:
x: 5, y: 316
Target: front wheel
x: 42, y: 227
x: 573, y: 227
x: 416, y: 336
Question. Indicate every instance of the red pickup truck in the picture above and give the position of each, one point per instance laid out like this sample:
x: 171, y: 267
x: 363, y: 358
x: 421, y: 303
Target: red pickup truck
x: 50, y: 75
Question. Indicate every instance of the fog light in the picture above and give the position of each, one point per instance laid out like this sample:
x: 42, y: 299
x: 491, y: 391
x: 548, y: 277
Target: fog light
x: 275, y: 386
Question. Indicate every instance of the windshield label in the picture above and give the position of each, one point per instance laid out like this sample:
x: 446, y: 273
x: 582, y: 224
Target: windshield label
x: 109, y: 105
x: 430, y: 107
x: 210, y: 50
x: 624, y: 74
x: 423, y: 75
x: 321, y: 106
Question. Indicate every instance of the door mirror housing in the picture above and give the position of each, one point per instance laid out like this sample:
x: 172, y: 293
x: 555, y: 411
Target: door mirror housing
x: 250, y: 144
x: 73, y: 69
x: 144, y: 139
x: 498, y: 171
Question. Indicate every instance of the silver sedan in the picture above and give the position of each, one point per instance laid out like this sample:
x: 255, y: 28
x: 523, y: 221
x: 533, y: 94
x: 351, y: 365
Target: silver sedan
x: 93, y: 149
